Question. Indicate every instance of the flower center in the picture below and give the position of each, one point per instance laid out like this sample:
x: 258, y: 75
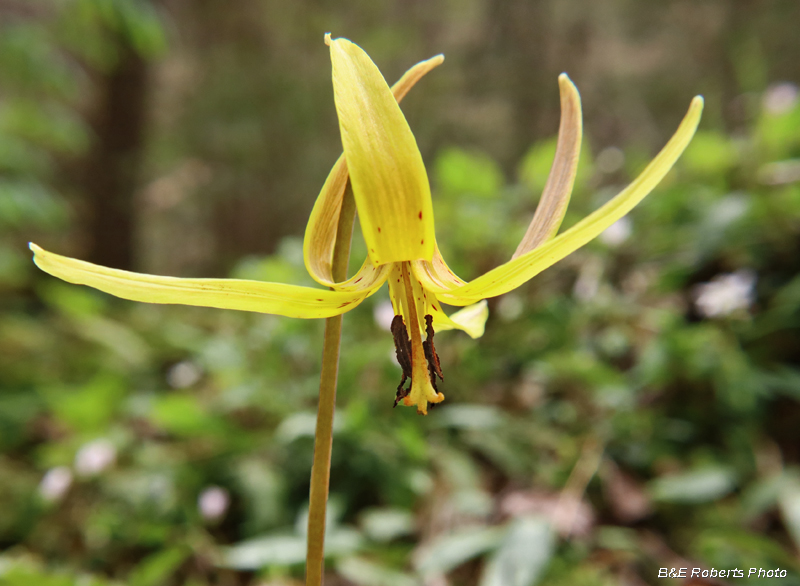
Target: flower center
x: 417, y: 358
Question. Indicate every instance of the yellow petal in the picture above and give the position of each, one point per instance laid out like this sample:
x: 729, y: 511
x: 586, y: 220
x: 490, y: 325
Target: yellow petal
x: 437, y: 272
x: 555, y: 197
x: 368, y: 279
x: 321, y: 229
x: 470, y: 319
x: 275, y: 298
x: 322, y: 224
x: 413, y: 75
x: 517, y: 271
x: 389, y: 181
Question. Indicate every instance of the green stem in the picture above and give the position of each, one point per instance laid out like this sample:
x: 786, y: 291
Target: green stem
x: 323, y: 437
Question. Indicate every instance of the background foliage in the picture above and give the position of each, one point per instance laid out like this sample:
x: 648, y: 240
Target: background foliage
x: 633, y: 408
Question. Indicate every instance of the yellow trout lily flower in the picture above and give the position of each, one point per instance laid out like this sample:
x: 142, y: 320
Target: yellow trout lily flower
x: 390, y: 186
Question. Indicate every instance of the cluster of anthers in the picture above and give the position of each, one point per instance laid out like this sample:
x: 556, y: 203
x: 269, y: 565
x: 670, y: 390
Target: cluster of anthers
x: 413, y: 351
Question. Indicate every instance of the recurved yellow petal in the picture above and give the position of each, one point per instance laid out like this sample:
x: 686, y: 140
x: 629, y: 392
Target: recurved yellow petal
x: 413, y: 75
x: 389, y: 181
x: 322, y: 224
x: 517, y: 271
x: 367, y: 280
x: 275, y: 298
x: 555, y: 197
x: 470, y: 319
x: 436, y: 271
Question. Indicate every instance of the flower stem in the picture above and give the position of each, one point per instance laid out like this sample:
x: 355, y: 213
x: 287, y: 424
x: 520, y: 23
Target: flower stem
x: 323, y: 437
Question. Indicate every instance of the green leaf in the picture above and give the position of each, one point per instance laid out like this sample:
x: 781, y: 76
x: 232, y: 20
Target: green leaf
x: 450, y: 551
x: 460, y: 172
x: 143, y: 25
x: 387, y: 524
x: 789, y: 502
x: 523, y: 555
x: 275, y: 550
x: 88, y: 408
x: 696, y: 486
x: 366, y: 573
x: 30, y: 204
x: 710, y: 153
x: 184, y: 416
x: 287, y: 549
x: 155, y: 569
x: 468, y: 417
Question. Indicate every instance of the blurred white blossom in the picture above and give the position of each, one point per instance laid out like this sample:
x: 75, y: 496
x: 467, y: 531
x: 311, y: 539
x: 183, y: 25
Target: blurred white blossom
x: 780, y: 172
x: 183, y: 375
x: 588, y: 282
x: 55, y: 483
x: 510, y: 307
x: 95, y: 457
x: 213, y: 503
x: 384, y: 314
x: 610, y: 159
x: 780, y: 98
x: 725, y: 294
x: 617, y: 233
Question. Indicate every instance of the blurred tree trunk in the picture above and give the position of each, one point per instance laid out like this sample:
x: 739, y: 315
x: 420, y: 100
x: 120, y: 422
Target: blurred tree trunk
x: 529, y: 47
x: 113, y: 164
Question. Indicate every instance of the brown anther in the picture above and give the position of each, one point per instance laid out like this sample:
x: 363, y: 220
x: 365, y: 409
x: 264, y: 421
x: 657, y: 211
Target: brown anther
x: 402, y: 346
x: 434, y: 368
x: 401, y: 392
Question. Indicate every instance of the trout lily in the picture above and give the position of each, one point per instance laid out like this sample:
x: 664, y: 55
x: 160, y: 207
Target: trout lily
x: 382, y: 164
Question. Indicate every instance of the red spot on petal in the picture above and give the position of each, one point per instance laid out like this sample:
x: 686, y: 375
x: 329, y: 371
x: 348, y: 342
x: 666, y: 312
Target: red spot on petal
x: 379, y: 229
x: 420, y: 214
x: 319, y: 299
x: 422, y: 241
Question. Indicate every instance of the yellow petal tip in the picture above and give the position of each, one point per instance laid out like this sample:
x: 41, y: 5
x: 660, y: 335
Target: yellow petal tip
x: 34, y: 247
x: 564, y: 82
x: 328, y: 39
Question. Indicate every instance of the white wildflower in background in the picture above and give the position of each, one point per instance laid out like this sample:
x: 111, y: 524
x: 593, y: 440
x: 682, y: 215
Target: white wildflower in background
x: 95, y: 457
x: 726, y: 294
x: 617, y: 233
x: 510, y: 307
x: 183, y: 375
x: 213, y: 503
x: 780, y: 98
x: 588, y: 282
x: 55, y: 483
x: 610, y: 160
x: 780, y: 172
x: 383, y: 314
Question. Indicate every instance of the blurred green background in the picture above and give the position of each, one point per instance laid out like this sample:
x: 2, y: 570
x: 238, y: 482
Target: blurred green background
x: 633, y: 408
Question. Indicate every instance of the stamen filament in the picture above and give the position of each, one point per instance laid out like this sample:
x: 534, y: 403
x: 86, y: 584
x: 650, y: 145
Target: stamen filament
x: 410, y: 307
x: 422, y: 390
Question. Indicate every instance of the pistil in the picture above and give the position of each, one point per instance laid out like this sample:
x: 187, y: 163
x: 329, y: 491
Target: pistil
x: 424, y: 362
